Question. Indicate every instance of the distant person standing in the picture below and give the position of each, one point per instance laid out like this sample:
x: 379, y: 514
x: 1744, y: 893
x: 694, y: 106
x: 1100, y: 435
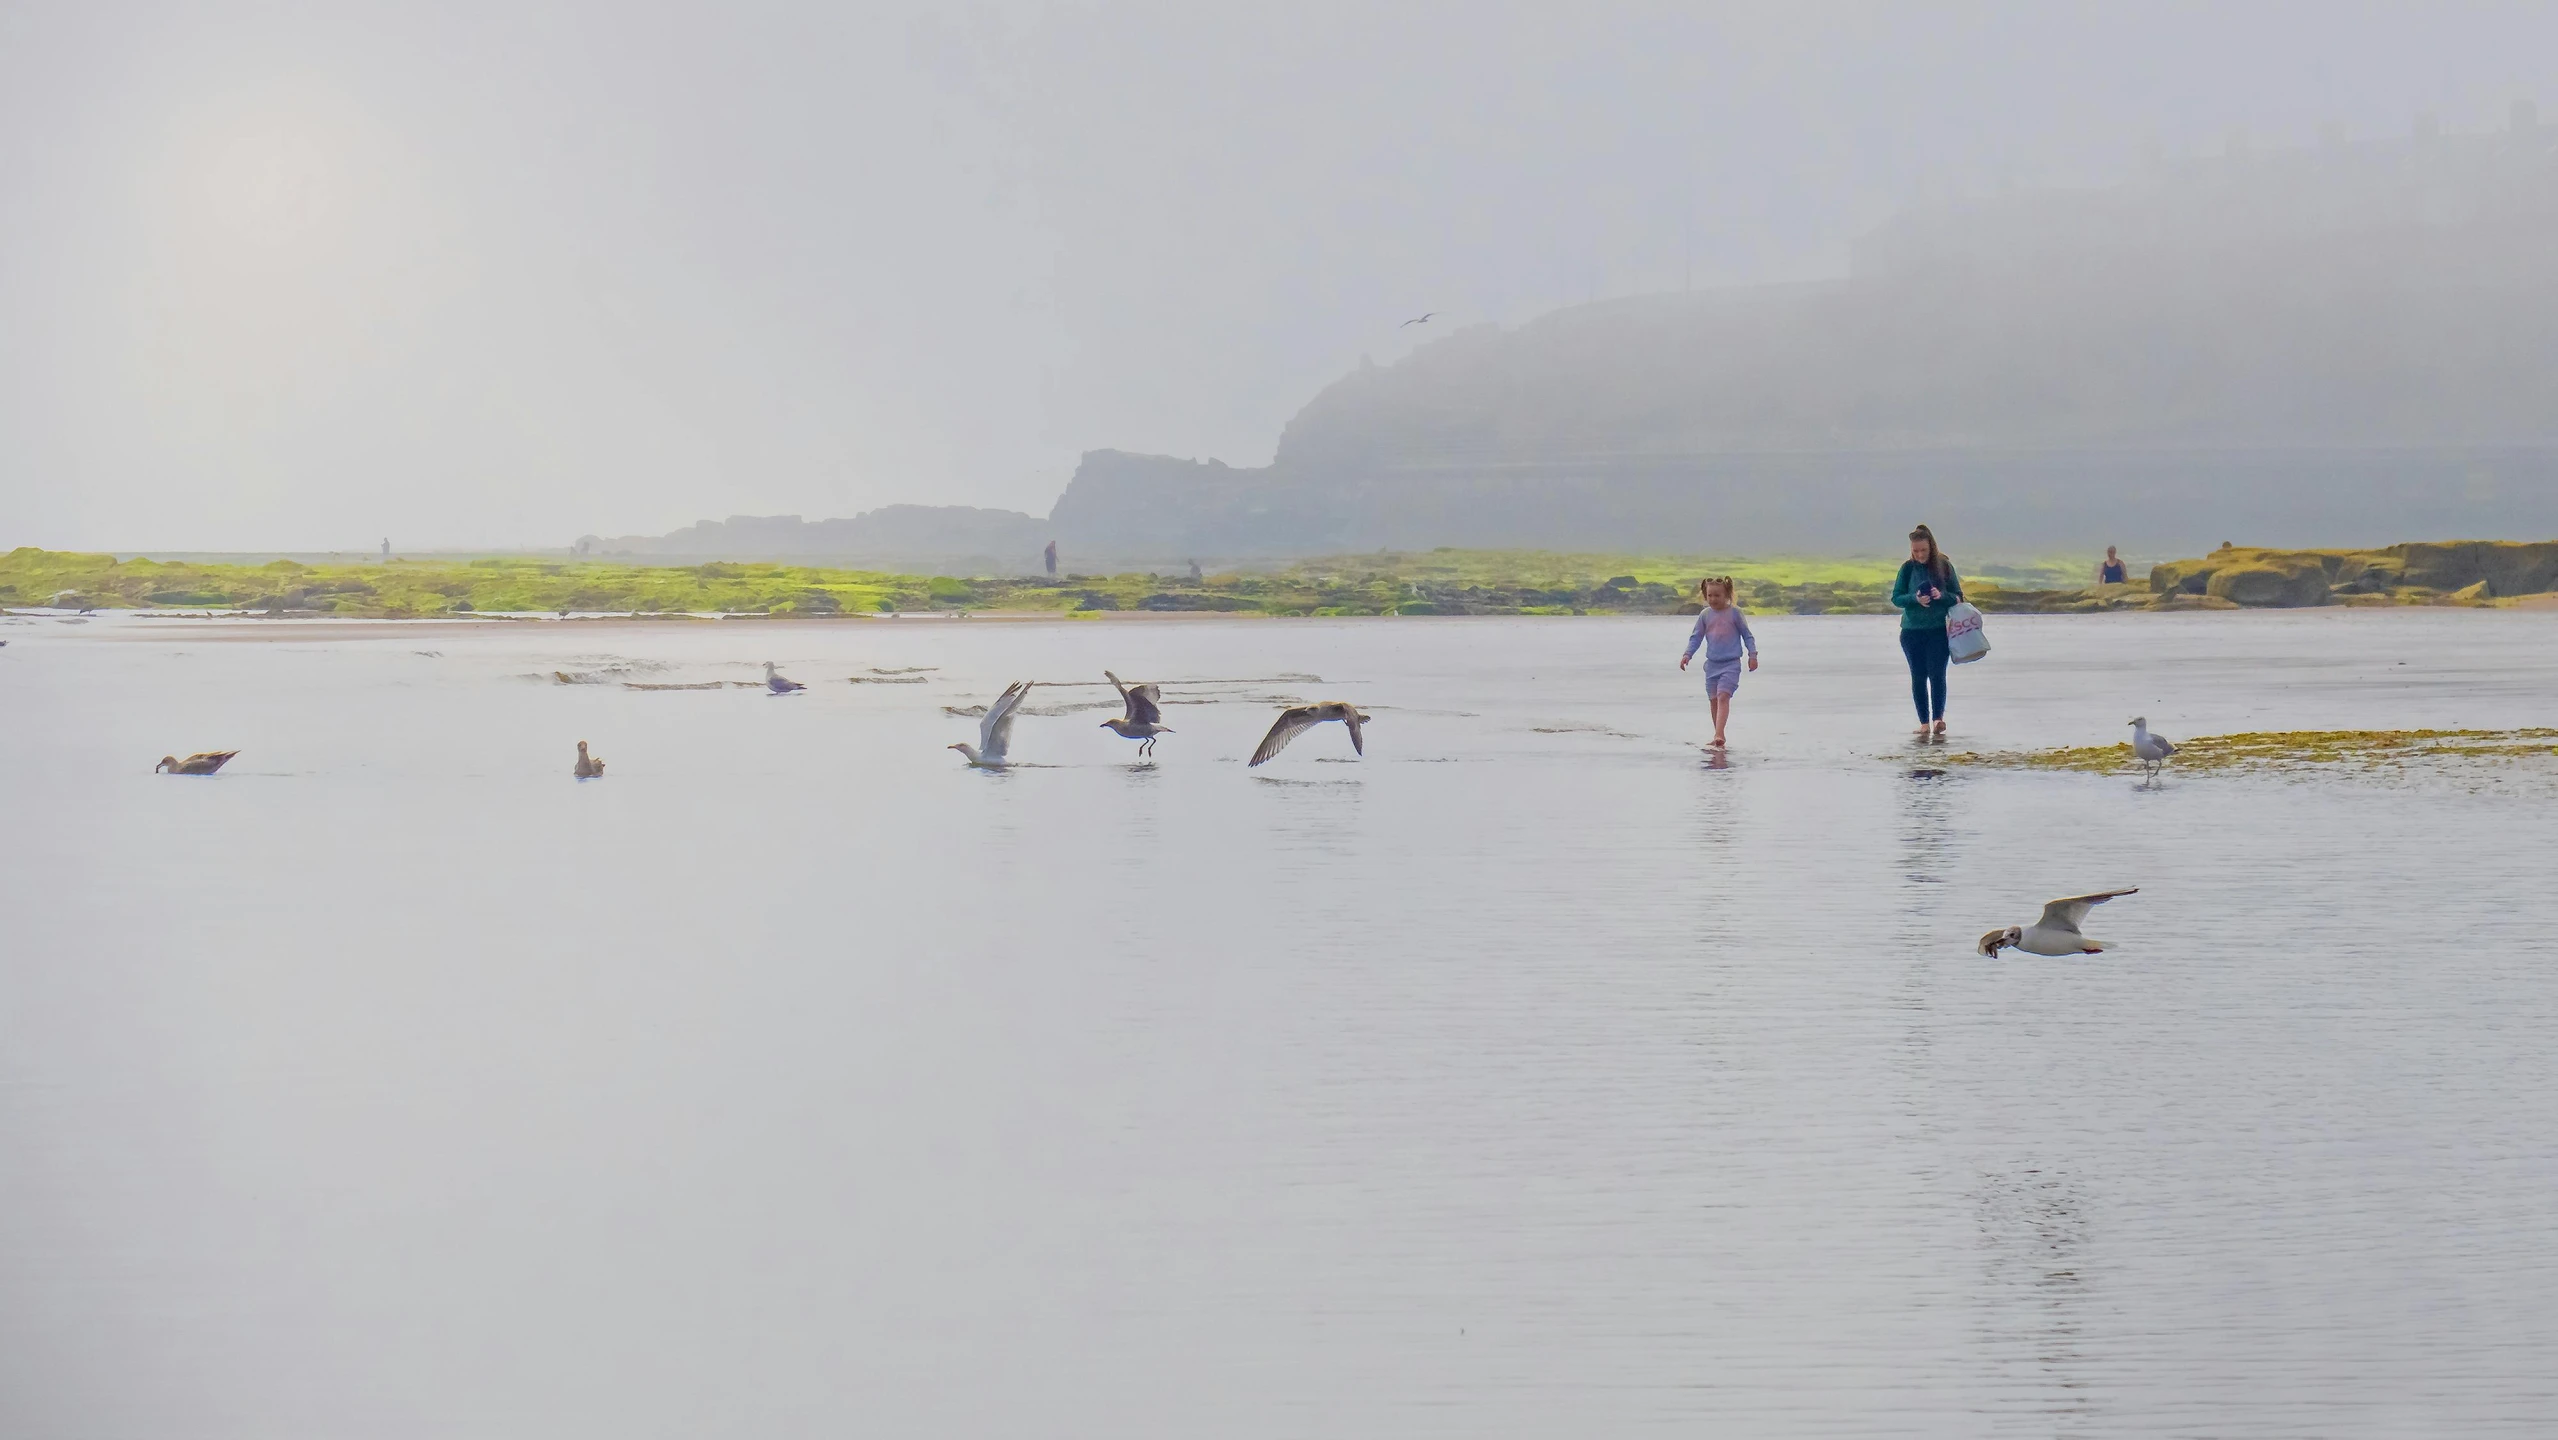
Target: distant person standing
x: 2113, y: 571
x: 1052, y: 559
x: 1924, y: 590
x: 386, y: 547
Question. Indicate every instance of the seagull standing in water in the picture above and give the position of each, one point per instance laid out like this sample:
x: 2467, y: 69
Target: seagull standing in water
x: 2055, y: 932
x: 1299, y: 719
x: 1145, y: 718
x: 995, y: 730
x: 2151, y: 750
x: 776, y: 682
x: 588, y: 767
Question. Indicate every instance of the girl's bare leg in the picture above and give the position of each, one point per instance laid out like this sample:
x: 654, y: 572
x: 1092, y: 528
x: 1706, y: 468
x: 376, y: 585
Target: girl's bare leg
x: 1722, y: 708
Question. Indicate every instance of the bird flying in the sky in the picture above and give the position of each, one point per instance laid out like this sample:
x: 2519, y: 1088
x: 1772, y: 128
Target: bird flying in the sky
x: 1417, y: 320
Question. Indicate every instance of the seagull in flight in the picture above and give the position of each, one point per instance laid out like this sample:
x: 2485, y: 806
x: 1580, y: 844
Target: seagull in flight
x: 1298, y: 719
x: 2151, y: 750
x: 777, y: 682
x: 1145, y: 718
x: 995, y: 730
x: 2055, y: 932
x: 1417, y: 320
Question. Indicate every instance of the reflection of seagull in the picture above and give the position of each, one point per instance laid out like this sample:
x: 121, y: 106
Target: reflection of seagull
x: 588, y: 767
x: 2056, y: 932
x: 995, y: 731
x: 1293, y: 722
x: 775, y: 682
x: 1145, y: 718
x: 1417, y: 320
x: 202, y: 763
x: 2151, y: 750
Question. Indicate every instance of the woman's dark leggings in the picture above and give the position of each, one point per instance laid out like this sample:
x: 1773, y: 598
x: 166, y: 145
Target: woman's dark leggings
x: 1926, y: 652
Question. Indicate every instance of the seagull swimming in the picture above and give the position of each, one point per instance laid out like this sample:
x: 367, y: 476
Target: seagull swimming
x: 2056, y: 931
x: 995, y: 730
x: 776, y: 682
x: 201, y: 763
x: 1298, y: 719
x: 1145, y: 718
x: 2151, y: 750
x: 588, y: 767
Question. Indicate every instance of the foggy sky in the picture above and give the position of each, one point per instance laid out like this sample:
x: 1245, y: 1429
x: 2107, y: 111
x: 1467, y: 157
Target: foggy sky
x: 282, y: 276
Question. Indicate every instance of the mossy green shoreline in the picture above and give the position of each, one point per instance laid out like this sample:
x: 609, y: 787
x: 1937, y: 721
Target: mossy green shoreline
x: 1439, y: 583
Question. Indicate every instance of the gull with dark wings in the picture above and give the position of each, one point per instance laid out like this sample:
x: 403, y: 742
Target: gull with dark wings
x: 778, y: 683
x: 202, y: 763
x: 1416, y: 320
x: 1298, y: 719
x: 588, y: 766
x: 1145, y: 718
x: 995, y: 730
x: 2055, y: 932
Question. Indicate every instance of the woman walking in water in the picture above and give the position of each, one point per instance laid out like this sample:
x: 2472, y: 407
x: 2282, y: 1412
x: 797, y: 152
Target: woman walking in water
x: 1925, y: 589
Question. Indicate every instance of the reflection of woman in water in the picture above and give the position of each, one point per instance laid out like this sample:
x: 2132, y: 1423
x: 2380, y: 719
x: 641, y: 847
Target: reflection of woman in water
x: 2113, y: 571
x: 1925, y: 589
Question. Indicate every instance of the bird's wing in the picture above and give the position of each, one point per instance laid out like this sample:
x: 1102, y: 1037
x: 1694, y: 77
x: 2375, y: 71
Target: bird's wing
x: 1145, y: 704
x: 2165, y: 747
x: 1121, y: 686
x: 995, y: 732
x: 2065, y: 914
x: 1351, y: 717
x: 1292, y: 722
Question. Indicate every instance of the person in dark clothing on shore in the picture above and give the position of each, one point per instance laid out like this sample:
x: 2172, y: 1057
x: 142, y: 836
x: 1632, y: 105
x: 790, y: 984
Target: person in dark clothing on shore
x: 1925, y: 589
x: 1052, y: 559
x: 2113, y: 571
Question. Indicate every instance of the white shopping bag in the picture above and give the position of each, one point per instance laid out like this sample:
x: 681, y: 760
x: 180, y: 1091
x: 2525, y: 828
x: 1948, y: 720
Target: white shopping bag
x: 1964, y: 637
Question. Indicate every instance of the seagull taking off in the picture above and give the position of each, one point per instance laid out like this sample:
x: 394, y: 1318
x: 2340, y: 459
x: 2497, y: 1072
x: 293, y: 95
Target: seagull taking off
x: 1416, y: 320
x: 778, y: 683
x: 2151, y: 750
x: 588, y: 767
x: 1145, y: 718
x: 1298, y: 719
x: 201, y: 763
x: 995, y: 730
x: 2056, y: 932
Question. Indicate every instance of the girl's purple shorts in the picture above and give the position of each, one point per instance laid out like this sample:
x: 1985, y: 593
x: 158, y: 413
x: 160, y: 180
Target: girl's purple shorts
x: 1722, y: 677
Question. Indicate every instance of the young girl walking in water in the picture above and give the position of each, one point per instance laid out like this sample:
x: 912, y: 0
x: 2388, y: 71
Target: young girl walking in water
x: 1724, y: 632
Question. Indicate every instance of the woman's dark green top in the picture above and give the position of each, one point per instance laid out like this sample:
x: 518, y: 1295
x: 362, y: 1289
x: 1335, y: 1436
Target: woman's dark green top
x: 1914, y: 578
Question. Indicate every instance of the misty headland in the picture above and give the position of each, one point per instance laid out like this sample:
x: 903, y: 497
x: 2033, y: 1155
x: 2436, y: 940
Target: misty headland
x: 2343, y: 345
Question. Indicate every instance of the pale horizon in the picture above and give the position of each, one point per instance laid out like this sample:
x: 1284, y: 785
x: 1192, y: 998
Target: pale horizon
x: 479, y: 279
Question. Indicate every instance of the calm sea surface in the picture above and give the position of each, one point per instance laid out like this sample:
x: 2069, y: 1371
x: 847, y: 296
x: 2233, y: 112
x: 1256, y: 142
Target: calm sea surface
x: 1530, y: 1077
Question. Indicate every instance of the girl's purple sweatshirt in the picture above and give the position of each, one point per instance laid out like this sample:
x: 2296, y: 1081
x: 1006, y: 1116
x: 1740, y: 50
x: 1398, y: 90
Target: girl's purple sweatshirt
x: 1723, y: 633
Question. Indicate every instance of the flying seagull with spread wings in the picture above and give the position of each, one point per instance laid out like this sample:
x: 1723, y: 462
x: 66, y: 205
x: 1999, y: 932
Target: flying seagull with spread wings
x: 1298, y: 719
x: 1416, y: 320
x: 1145, y: 718
x: 995, y: 730
x: 2056, y: 931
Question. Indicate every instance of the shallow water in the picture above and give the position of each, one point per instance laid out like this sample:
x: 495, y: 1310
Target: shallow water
x: 1527, y: 1077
